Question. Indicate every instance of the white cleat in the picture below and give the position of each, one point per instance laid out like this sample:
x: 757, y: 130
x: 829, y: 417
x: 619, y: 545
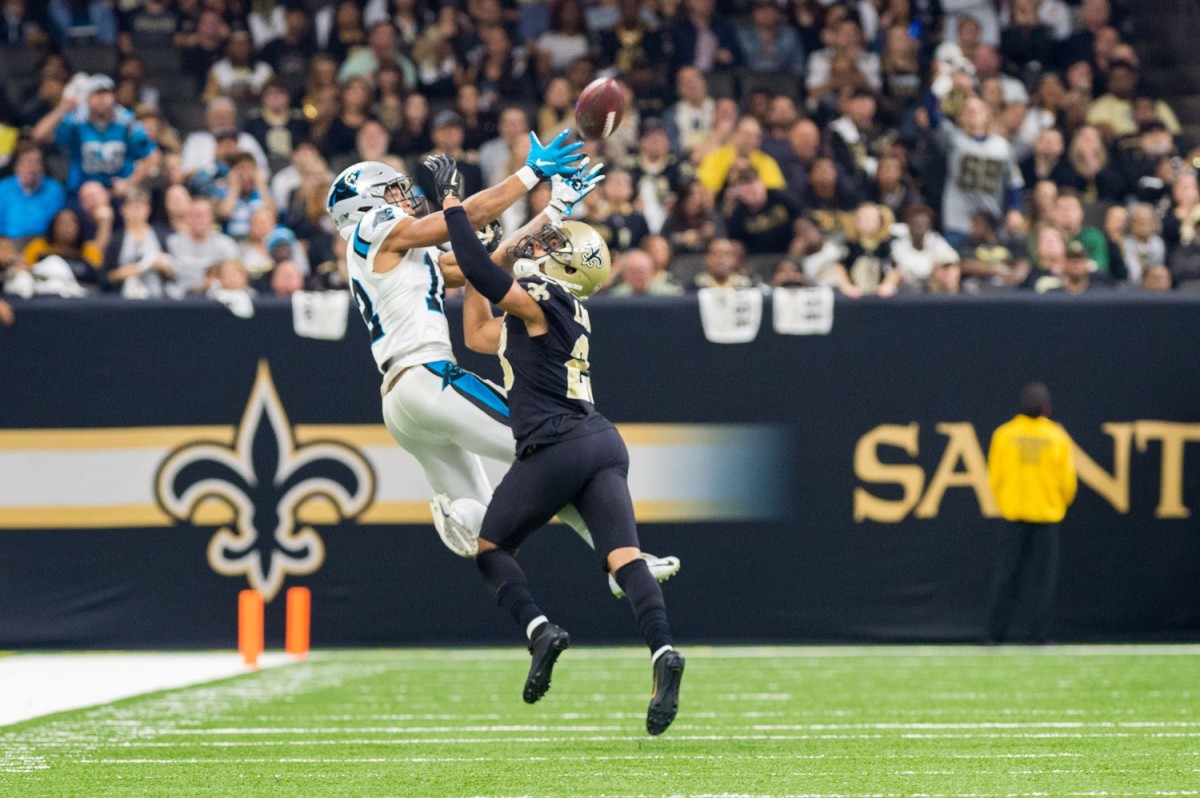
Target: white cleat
x: 661, y: 568
x: 457, y: 536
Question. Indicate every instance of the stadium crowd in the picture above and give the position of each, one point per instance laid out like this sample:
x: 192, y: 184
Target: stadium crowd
x: 877, y: 146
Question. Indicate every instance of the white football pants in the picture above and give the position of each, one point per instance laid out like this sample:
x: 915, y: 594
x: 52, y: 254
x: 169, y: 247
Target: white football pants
x: 447, y: 430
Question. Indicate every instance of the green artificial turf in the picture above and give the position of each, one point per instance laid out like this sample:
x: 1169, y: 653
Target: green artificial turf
x: 1069, y: 721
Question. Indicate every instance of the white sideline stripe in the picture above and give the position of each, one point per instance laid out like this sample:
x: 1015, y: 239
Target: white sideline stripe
x: 41, y: 684
x: 506, y: 728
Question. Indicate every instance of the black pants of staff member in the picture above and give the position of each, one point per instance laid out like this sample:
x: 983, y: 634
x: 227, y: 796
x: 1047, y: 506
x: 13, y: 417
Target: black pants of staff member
x: 1025, y: 552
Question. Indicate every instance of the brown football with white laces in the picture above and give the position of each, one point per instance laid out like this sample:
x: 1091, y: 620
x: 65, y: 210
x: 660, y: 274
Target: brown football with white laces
x: 599, y: 108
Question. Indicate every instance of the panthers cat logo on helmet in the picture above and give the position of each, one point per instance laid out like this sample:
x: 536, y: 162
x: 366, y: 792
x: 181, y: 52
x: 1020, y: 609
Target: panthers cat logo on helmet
x: 365, y: 186
x: 575, y: 255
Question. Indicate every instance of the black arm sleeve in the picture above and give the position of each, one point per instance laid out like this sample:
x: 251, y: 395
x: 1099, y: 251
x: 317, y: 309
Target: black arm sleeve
x: 477, y: 266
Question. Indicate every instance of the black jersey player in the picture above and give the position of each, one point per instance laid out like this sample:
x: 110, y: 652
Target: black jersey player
x: 566, y: 451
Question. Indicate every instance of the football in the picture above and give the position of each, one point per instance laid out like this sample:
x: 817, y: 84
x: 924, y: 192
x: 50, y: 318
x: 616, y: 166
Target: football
x: 599, y: 108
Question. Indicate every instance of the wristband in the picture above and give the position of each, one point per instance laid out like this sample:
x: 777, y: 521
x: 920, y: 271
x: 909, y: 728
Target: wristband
x: 528, y: 177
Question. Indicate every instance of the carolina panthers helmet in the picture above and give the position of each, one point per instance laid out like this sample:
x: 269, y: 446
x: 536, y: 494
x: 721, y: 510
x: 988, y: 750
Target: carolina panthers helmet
x: 572, y: 253
x: 368, y: 185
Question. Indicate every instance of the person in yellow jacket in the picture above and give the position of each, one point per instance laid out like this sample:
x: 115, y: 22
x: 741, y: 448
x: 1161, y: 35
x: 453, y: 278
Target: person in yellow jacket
x: 1031, y: 468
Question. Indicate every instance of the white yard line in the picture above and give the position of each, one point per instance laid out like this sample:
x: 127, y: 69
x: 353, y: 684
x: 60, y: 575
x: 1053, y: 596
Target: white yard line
x: 32, y: 685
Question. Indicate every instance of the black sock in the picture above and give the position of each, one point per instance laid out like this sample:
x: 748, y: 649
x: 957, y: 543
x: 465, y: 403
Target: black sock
x: 645, y: 596
x: 507, y: 583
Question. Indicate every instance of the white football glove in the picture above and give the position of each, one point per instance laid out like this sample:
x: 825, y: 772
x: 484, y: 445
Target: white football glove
x: 565, y: 192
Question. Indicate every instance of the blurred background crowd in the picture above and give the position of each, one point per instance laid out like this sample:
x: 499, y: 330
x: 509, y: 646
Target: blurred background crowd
x: 165, y: 148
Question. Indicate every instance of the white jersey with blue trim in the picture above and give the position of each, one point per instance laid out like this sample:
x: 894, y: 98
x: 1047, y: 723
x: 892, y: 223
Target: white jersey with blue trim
x: 403, y: 308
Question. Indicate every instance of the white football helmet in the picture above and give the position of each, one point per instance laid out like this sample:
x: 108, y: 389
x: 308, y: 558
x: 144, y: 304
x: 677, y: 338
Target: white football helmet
x: 571, y: 253
x: 368, y: 185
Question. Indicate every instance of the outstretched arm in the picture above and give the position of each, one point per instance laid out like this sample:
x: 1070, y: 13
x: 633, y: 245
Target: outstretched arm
x: 480, y: 328
x: 544, y: 161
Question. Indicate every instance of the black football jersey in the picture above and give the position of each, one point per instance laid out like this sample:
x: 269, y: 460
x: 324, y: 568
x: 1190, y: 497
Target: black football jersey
x: 549, y: 387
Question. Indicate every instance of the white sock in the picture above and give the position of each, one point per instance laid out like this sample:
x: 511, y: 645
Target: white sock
x: 654, y: 657
x: 534, y: 624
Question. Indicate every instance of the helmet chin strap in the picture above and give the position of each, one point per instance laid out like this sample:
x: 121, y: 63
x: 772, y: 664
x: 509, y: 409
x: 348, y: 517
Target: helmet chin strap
x: 528, y: 267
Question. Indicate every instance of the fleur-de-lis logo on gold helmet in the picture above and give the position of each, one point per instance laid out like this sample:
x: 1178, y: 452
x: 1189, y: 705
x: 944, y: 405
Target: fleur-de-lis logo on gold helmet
x: 258, y: 490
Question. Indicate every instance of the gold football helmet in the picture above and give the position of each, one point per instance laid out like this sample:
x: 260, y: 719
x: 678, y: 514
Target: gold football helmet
x: 572, y: 253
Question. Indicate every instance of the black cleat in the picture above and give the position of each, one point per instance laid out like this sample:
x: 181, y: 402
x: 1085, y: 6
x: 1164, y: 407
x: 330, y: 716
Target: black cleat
x: 668, y: 673
x: 547, y: 644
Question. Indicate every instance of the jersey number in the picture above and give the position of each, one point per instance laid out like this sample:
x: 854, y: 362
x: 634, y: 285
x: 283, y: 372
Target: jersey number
x: 579, y: 383
x: 435, y: 300
x: 368, y: 311
x: 980, y: 174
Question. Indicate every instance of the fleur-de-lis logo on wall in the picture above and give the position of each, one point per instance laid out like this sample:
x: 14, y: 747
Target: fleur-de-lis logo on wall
x: 264, y: 492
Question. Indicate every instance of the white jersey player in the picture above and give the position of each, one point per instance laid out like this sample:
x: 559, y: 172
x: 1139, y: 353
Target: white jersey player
x: 444, y: 416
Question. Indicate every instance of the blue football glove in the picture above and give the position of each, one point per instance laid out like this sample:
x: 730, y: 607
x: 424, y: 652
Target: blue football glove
x: 555, y: 158
x: 567, y: 191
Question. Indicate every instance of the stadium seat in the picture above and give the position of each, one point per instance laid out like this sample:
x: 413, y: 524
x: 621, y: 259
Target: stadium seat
x: 93, y: 58
x: 686, y: 266
x: 160, y: 61
x: 19, y: 63
x: 784, y: 83
x: 722, y: 83
x: 763, y: 264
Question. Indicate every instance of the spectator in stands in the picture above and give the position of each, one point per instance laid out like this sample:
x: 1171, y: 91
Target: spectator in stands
x: 18, y: 26
x: 1051, y: 253
x: 981, y: 173
x: 203, y: 48
x: 75, y: 21
x: 1031, y: 470
x: 689, y: 120
x: 479, y: 125
x: 1080, y: 46
x: 613, y: 214
x: 1141, y: 156
x: 224, y: 278
x: 828, y: 200
x: 135, y: 262
x: 276, y: 126
x: 846, y: 46
x: 1113, y: 112
x: 253, y: 251
x: 918, y: 250
x: 1184, y: 258
x: 638, y: 277
x: 447, y: 134
x: 853, y: 137
x: 97, y: 214
x: 346, y: 32
x: 29, y: 198
x: 371, y: 143
x: 632, y: 42
x: 285, y: 279
x: 746, y: 144
x: 1116, y: 228
x: 200, y: 146
x: 152, y: 24
x: 176, y: 203
x: 500, y: 74
x: 656, y: 173
x: 103, y: 141
x: 244, y: 191
x: 1184, y: 208
x: 131, y: 68
x: 495, y: 155
x: 987, y: 63
x: 381, y: 47
x: 289, y: 54
x: 768, y: 43
x: 693, y: 223
x: 45, y: 96
x: 564, y: 41
x: 804, y: 146
x: 1047, y: 161
x: 761, y: 218
x: 702, y: 39
x: 867, y: 267
x: 1044, y: 107
x: 1078, y: 269
x: 238, y: 74
x: 722, y: 267
x: 659, y: 250
x: 284, y: 246
x: 210, y: 181
x: 1068, y: 217
x: 1027, y: 43
x: 893, y: 187
x: 339, y: 139
x: 900, y: 68
x: 946, y: 278
x: 557, y: 112
x: 64, y: 238
x: 1143, y: 246
x: 412, y: 137
x: 198, y: 249
x: 1156, y: 278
